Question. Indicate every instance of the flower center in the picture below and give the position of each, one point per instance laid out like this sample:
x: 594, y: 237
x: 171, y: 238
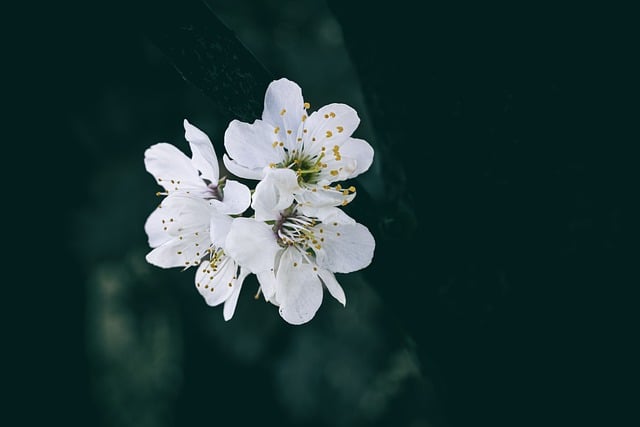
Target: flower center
x: 307, y: 167
x: 295, y: 229
x: 214, y: 190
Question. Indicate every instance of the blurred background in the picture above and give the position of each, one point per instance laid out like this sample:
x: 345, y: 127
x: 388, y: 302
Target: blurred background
x: 499, y: 198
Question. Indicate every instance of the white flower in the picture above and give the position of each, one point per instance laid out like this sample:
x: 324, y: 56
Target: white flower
x: 186, y: 231
x: 318, y: 148
x: 198, y: 176
x: 295, y: 255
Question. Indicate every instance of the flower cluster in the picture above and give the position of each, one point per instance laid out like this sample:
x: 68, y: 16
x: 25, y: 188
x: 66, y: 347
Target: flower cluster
x: 297, y: 236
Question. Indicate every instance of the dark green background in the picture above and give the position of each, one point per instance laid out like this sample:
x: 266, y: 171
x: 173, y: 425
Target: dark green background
x: 501, y: 199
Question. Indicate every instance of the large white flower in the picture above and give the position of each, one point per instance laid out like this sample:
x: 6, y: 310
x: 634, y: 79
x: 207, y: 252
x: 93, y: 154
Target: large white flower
x: 293, y: 255
x: 317, y: 147
x: 186, y: 231
x: 198, y: 176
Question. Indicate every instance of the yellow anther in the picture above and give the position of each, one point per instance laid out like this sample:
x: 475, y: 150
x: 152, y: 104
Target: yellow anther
x: 345, y: 192
x: 332, y: 114
x: 276, y: 130
x: 275, y: 144
x: 282, y: 112
x: 307, y: 105
x: 304, y: 131
x: 326, y: 116
x: 352, y: 189
x: 299, y: 139
x: 281, y: 144
x: 340, y: 128
x: 329, y: 134
x: 289, y: 131
x: 304, y: 117
x: 338, y: 187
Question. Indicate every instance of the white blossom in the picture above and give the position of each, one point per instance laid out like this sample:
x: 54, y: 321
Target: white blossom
x: 185, y: 231
x: 294, y: 255
x: 198, y: 176
x: 317, y: 147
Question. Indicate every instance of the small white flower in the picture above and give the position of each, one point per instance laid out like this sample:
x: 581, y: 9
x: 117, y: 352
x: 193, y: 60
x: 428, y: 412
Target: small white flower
x: 317, y: 147
x: 186, y: 231
x: 294, y: 255
x: 198, y: 176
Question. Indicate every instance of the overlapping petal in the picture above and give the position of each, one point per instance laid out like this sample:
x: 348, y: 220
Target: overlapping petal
x: 203, y: 154
x: 346, y: 247
x: 252, y: 244
x: 298, y: 288
x: 179, y: 229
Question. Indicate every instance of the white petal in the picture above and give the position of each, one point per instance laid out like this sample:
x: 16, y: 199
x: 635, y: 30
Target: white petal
x: 180, y: 253
x: 186, y: 221
x: 215, y: 281
x: 219, y: 228
x: 232, y: 301
x: 331, y: 125
x: 321, y: 197
x: 155, y: 229
x: 268, y: 285
x: 235, y: 200
x: 252, y: 146
x: 242, y: 171
x: 284, y: 110
x: 359, y: 151
x: 171, y: 168
x: 203, y: 154
x: 252, y: 244
x: 274, y: 194
x: 346, y: 248
x: 332, y: 285
x: 298, y: 288
x: 327, y: 214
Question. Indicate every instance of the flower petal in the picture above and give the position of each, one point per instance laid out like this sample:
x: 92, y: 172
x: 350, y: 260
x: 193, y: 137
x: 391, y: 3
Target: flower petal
x: 203, y: 154
x: 324, y: 197
x: 346, y: 248
x: 232, y: 301
x: 252, y: 244
x: 171, y: 168
x: 327, y: 214
x: 242, y: 171
x: 236, y: 198
x: 332, y: 285
x: 252, y: 146
x: 359, y: 151
x: 180, y: 253
x: 220, y: 225
x: 331, y: 125
x: 268, y: 285
x: 214, y: 280
x: 156, y: 230
x: 298, y: 288
x: 186, y: 221
x: 284, y: 110
x: 274, y: 193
